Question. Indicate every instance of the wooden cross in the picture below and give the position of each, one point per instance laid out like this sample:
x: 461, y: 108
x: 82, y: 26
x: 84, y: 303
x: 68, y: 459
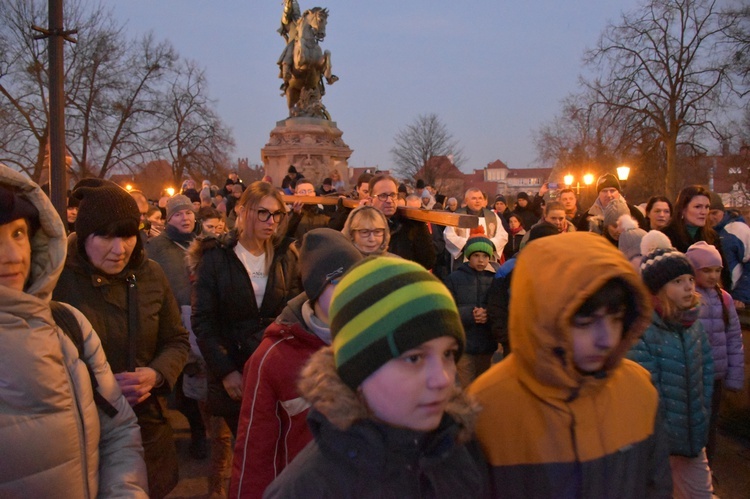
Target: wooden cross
x: 446, y: 218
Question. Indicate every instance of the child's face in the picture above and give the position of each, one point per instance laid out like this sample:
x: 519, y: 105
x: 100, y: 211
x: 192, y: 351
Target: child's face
x: 413, y: 390
x: 708, y: 277
x: 478, y: 260
x: 594, y: 337
x: 681, y: 290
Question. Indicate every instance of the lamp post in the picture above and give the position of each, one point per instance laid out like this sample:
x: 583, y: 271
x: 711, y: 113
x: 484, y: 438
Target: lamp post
x: 623, y: 172
x: 588, y: 179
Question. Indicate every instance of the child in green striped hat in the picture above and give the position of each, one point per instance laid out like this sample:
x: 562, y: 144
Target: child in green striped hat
x: 387, y: 415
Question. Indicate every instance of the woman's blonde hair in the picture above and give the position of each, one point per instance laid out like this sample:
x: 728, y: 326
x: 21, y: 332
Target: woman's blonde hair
x: 250, y: 200
x: 371, y: 214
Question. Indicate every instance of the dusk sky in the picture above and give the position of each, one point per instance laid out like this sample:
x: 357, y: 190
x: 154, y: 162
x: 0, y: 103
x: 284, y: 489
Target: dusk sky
x: 493, y: 71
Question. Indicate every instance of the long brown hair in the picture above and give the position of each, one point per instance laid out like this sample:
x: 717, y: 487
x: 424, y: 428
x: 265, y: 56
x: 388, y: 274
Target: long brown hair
x: 678, y: 224
x: 250, y: 200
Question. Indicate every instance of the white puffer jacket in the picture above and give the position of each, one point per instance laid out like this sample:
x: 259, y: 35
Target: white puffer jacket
x: 55, y: 441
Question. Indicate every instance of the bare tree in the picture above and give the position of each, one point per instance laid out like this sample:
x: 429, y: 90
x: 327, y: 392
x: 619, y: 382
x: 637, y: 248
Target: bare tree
x: 737, y: 22
x: 110, y: 87
x: 24, y: 110
x: 661, y: 63
x: 196, y: 139
x: 425, y: 137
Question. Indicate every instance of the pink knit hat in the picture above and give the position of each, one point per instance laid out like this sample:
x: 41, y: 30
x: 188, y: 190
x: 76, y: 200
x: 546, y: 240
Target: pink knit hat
x: 702, y: 255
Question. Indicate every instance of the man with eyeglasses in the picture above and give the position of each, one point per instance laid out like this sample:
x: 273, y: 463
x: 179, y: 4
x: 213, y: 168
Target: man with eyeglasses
x: 410, y: 239
x: 305, y: 217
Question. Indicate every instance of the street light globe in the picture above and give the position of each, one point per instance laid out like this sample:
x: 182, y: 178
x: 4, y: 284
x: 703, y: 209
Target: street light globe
x: 568, y: 179
x: 623, y: 172
x: 170, y: 191
x: 588, y: 179
x: 128, y: 187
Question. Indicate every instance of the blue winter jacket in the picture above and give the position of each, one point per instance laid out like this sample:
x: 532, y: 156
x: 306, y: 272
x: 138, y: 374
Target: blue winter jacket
x: 682, y: 369
x: 734, y: 235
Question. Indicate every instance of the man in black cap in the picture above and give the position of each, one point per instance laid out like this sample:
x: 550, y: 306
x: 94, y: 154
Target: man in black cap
x: 500, y: 207
x: 607, y: 188
x: 525, y: 211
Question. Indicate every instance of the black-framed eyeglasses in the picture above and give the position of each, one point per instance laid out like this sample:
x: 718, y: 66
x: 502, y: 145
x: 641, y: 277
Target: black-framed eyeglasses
x: 369, y: 232
x: 264, y: 215
x: 387, y: 195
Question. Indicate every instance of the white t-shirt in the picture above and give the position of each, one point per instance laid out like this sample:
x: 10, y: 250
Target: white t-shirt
x: 256, y: 269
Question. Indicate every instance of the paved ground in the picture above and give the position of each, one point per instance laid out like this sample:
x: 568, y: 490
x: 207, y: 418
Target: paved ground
x: 731, y: 469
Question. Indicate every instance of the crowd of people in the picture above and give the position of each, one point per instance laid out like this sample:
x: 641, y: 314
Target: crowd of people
x: 350, y: 350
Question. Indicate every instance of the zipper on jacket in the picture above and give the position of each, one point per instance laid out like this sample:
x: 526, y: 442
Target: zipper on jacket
x: 79, y: 420
x: 687, y: 392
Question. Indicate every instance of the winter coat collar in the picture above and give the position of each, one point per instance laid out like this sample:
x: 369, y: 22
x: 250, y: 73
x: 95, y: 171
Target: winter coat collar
x: 340, y: 406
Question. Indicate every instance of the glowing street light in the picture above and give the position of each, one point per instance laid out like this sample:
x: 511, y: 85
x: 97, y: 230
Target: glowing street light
x: 170, y: 191
x: 588, y: 179
x: 623, y: 172
x: 128, y: 187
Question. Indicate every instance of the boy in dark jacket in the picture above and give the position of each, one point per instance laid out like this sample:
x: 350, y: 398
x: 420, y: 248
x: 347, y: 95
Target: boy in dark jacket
x: 469, y: 284
x: 387, y: 418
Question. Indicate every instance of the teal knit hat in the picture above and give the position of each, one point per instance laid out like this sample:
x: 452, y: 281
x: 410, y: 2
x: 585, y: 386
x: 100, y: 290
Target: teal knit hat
x: 383, y: 307
x: 479, y: 243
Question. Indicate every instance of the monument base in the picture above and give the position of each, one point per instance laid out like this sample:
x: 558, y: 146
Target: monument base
x: 313, y: 145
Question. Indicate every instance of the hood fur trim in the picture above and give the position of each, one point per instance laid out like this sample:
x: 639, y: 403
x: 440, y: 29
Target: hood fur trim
x: 322, y: 387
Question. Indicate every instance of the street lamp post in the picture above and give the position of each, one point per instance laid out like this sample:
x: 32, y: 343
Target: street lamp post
x: 588, y: 179
x: 623, y: 172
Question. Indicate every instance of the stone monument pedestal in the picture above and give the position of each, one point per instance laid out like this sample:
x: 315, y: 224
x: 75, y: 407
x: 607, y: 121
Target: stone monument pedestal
x: 313, y: 145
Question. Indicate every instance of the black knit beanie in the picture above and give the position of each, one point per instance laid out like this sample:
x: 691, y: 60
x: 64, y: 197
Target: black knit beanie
x: 101, y: 206
x: 325, y: 255
x: 607, y: 180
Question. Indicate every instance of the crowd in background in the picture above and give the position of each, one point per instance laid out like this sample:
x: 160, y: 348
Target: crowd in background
x: 336, y: 349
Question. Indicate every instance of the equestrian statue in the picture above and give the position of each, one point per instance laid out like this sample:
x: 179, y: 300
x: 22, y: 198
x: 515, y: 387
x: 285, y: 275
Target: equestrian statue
x: 303, y: 64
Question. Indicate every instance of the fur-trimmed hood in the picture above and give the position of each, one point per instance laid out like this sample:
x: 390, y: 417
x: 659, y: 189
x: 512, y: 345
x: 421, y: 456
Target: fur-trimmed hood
x: 322, y: 387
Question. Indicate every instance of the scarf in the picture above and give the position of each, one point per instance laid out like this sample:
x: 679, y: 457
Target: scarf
x: 179, y: 238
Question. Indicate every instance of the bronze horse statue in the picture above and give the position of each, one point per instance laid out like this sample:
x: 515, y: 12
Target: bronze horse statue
x: 303, y: 65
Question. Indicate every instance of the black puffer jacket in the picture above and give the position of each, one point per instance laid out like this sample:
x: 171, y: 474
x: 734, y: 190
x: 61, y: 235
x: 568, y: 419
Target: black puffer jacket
x: 470, y: 289
x: 353, y: 455
x: 226, y: 318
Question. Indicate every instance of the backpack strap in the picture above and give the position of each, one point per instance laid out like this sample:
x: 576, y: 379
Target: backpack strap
x: 66, y: 321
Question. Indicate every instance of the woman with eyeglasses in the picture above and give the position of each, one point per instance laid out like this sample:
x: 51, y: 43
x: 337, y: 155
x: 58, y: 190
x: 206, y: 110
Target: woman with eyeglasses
x: 243, y: 282
x: 367, y: 228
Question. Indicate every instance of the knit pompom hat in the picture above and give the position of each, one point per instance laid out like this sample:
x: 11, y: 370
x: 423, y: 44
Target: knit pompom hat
x: 383, y: 307
x: 614, y: 210
x: 479, y: 243
x: 702, y: 255
x: 663, y: 265
x: 630, y: 238
x: 653, y: 240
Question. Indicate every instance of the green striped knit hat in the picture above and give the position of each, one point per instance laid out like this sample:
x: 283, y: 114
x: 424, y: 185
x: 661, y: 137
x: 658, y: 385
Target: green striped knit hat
x: 479, y: 243
x: 383, y: 307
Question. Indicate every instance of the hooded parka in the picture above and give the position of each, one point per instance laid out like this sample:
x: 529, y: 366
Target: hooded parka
x: 56, y: 442
x: 549, y: 430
